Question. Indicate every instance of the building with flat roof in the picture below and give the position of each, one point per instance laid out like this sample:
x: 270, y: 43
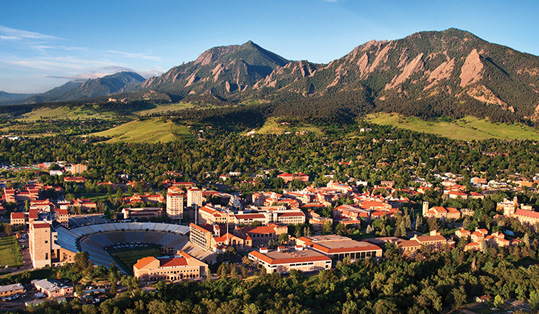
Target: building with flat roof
x: 182, y: 266
x: 339, y: 247
x: 284, y: 259
x: 78, y: 168
x: 201, y: 236
x: 175, y: 203
x: 9, y: 290
x: 142, y: 212
x: 194, y: 197
x: 52, y: 288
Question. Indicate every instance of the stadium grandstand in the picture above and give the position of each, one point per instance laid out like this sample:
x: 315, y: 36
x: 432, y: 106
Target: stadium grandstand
x: 96, y: 239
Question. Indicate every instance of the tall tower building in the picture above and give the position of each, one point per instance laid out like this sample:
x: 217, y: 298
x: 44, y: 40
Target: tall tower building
x: 194, y: 196
x: 175, y: 203
x: 40, y: 243
x: 425, y: 207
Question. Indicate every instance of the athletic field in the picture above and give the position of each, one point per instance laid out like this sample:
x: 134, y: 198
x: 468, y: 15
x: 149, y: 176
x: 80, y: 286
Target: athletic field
x: 128, y: 257
x: 10, y: 252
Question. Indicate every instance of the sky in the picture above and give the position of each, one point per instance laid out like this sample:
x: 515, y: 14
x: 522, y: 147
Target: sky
x: 44, y: 44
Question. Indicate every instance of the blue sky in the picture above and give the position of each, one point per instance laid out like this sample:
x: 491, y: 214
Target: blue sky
x: 43, y: 44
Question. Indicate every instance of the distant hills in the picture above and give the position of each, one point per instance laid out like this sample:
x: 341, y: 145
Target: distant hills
x: 11, y: 97
x: 77, y: 90
x: 450, y: 73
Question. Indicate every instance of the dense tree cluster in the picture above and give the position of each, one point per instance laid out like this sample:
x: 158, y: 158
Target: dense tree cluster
x: 428, y: 284
x: 384, y: 153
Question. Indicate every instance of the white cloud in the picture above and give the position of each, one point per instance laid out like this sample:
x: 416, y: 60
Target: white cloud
x: 135, y: 55
x: 104, y: 71
x: 150, y: 73
x: 68, y: 48
x: 57, y: 63
x: 11, y: 33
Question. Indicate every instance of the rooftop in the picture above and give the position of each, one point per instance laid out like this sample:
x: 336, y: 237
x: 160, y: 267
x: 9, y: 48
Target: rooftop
x: 276, y: 257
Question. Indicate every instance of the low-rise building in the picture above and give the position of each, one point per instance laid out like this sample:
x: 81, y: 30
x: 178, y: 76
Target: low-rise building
x: 9, y: 290
x: 18, y: 218
x: 261, y: 235
x: 339, y: 247
x: 250, y: 218
x: 433, y: 242
x: 508, y: 207
x: 528, y: 217
x: 75, y: 179
x: 52, y: 288
x: 62, y: 216
x: 143, y: 212
x: 442, y: 213
x: 287, y: 177
x: 182, y: 266
x: 289, y: 217
x: 210, y: 214
x: 283, y: 259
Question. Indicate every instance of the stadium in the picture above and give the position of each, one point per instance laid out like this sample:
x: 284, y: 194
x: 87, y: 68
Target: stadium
x: 124, y: 243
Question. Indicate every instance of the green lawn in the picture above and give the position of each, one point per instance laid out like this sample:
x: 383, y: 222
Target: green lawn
x: 10, y: 252
x: 467, y: 129
x: 126, y: 258
x: 146, y: 131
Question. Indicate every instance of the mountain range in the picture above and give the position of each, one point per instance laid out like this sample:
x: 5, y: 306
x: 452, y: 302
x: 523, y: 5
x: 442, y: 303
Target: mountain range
x: 448, y: 73
x: 80, y: 89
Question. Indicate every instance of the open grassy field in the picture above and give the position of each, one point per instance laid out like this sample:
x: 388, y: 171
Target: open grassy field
x: 467, y: 129
x: 146, y: 131
x: 129, y: 257
x: 65, y: 112
x: 272, y: 127
x: 10, y: 252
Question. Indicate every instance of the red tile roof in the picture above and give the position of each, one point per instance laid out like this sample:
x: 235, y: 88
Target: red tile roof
x: 173, y: 262
x: 527, y: 213
x: 250, y: 216
x: 41, y: 225
x: 17, y: 215
x: 199, y: 228
x: 259, y: 230
x: 294, y: 214
x: 141, y: 263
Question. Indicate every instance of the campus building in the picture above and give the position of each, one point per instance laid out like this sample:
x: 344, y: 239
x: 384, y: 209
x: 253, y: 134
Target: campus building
x: 183, y: 266
x: 40, y: 239
x: 9, y: 290
x: 52, y: 288
x: 175, y: 203
x: 194, y: 197
x: 284, y: 259
x: 42, y: 245
x: 339, y: 247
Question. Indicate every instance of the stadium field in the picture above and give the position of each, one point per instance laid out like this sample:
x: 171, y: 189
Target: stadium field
x: 128, y: 257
